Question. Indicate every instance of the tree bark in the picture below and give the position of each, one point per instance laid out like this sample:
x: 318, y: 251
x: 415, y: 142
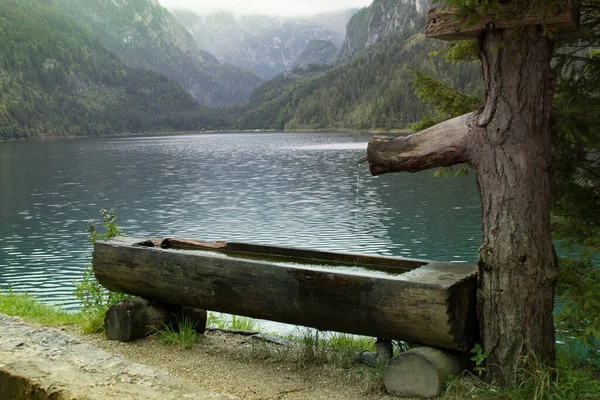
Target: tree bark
x: 508, y: 143
x: 441, y: 145
x: 511, y: 152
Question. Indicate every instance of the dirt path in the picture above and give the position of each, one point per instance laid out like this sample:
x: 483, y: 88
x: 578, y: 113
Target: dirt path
x: 217, y: 363
x: 250, y: 369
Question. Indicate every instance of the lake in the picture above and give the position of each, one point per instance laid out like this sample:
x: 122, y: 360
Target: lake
x: 298, y: 189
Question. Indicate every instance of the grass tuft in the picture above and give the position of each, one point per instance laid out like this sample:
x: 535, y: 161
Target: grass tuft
x: 30, y: 309
x: 183, y: 334
x: 221, y: 321
x: 244, y: 323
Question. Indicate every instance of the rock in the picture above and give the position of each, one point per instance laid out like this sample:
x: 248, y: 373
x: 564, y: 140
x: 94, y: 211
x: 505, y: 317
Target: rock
x: 48, y: 364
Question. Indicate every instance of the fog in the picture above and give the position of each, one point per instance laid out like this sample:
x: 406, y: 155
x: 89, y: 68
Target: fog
x: 287, y: 8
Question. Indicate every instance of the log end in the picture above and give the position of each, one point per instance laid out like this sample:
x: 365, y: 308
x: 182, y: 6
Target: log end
x: 136, y: 317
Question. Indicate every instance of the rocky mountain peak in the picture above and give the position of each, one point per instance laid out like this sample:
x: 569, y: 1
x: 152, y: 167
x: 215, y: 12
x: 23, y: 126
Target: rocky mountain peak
x: 381, y: 19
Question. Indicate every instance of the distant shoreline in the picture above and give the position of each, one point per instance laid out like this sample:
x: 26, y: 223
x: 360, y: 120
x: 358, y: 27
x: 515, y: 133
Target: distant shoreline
x: 156, y: 133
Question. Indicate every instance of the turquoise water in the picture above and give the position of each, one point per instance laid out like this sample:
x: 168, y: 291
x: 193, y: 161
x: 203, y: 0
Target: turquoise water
x: 293, y: 189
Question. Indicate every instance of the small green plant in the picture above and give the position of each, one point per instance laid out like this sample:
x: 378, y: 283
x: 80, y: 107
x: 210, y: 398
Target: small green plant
x: 221, y: 321
x: 94, y: 298
x: 183, y: 334
x: 311, y: 350
x: 243, y: 323
x: 216, y: 320
x: 578, y: 311
x: 478, y: 359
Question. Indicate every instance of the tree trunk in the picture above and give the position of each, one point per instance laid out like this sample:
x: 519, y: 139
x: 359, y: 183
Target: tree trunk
x: 511, y: 152
x: 508, y: 143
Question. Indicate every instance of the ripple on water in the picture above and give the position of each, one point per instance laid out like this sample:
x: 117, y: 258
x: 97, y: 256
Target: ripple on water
x: 290, y: 189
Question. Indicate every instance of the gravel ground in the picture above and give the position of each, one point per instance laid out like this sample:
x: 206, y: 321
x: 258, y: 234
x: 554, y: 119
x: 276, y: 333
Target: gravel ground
x: 248, y: 368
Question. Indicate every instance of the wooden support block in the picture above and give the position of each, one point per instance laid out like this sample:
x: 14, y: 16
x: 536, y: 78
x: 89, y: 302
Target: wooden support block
x: 421, y: 372
x: 443, y: 24
x: 135, y: 318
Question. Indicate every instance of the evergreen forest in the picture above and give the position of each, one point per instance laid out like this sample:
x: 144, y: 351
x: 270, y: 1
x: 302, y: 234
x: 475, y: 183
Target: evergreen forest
x: 58, y: 80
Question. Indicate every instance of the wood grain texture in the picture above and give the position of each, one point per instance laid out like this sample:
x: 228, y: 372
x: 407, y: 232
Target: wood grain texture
x: 135, y: 318
x: 422, y: 372
x: 443, y: 24
x: 417, y: 306
x: 441, y: 145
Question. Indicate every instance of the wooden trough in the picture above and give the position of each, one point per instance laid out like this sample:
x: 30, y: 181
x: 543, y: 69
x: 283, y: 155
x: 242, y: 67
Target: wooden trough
x: 426, y: 302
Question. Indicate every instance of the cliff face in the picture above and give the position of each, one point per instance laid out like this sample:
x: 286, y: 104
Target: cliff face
x: 262, y: 44
x: 381, y: 19
x: 145, y: 35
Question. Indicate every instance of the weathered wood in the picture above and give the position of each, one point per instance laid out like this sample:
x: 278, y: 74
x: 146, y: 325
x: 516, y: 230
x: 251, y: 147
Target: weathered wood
x: 197, y: 316
x: 432, y: 304
x: 279, y: 253
x: 135, y: 318
x: 442, y: 23
x: 508, y: 142
x: 422, y: 371
x: 441, y: 145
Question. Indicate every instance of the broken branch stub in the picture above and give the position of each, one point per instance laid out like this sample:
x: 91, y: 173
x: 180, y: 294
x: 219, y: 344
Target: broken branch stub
x: 442, y: 145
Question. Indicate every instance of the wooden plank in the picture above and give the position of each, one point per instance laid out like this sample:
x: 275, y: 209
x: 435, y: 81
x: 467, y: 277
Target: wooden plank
x: 421, y: 306
x: 443, y: 24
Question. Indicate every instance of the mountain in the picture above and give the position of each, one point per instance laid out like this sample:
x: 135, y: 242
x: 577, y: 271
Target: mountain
x: 263, y: 44
x: 371, y: 89
x: 316, y: 52
x: 56, y: 79
x: 332, y: 20
x: 145, y: 35
x: 381, y: 19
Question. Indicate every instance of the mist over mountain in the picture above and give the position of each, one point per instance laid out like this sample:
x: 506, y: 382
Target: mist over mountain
x: 264, y: 45
x: 56, y: 79
x: 104, y: 66
x: 370, y: 87
x: 146, y: 35
x: 383, y: 18
x: 317, y: 52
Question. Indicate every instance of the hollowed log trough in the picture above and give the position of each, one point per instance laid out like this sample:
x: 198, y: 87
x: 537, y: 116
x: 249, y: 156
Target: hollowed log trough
x: 426, y: 302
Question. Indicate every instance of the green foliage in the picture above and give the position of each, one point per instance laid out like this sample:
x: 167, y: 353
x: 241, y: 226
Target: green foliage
x: 479, y: 358
x: 57, y: 80
x: 221, y: 321
x: 372, y: 90
x: 182, y: 334
x: 317, y: 52
x: 27, y: 307
x: 145, y: 35
x: 578, y: 312
x: 533, y: 381
x: 243, y: 323
x: 448, y: 101
x: 94, y: 298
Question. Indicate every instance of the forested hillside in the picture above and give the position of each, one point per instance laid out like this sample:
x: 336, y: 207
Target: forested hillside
x: 383, y: 18
x: 316, y: 52
x: 372, y: 90
x: 57, y: 80
x: 146, y: 35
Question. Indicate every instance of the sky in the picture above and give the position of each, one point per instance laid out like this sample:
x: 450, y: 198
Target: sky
x: 287, y: 8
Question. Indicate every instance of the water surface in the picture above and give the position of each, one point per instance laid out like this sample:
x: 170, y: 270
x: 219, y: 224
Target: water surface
x: 281, y: 188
